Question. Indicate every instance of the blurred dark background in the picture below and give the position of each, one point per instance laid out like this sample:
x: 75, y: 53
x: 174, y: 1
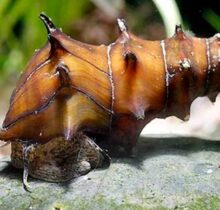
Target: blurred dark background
x: 91, y: 21
x: 202, y: 17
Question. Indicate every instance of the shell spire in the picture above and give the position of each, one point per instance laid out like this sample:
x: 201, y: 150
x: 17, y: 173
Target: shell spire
x: 129, y: 56
x: 48, y: 23
x: 122, y: 25
x: 51, y: 28
x: 179, y: 33
x: 123, y: 28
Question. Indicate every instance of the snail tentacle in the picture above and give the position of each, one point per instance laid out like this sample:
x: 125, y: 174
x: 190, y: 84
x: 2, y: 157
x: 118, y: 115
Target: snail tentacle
x: 27, y: 148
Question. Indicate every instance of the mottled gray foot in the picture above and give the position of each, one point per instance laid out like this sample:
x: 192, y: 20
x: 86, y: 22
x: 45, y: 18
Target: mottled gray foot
x: 58, y: 160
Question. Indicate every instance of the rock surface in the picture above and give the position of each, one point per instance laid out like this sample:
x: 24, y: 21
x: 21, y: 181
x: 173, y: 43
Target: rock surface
x: 168, y: 173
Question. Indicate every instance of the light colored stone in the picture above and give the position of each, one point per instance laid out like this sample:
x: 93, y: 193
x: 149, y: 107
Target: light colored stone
x: 167, y: 173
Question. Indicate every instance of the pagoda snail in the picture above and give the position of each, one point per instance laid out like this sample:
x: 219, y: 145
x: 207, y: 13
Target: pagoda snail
x: 72, y: 92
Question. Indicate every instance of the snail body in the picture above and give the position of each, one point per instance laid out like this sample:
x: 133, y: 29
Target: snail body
x: 60, y: 160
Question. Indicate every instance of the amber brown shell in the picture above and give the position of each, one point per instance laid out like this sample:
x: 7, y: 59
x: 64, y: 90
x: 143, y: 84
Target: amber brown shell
x: 115, y: 90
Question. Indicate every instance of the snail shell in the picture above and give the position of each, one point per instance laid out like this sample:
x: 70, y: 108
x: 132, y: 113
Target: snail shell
x: 70, y: 87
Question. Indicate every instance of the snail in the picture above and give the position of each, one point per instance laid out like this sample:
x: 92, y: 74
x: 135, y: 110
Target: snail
x: 72, y: 93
